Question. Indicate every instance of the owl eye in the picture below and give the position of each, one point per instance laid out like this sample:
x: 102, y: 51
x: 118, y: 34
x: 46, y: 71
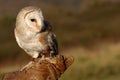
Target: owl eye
x: 32, y: 20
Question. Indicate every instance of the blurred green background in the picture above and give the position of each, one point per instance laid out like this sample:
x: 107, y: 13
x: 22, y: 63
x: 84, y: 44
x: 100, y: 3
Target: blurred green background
x: 88, y: 30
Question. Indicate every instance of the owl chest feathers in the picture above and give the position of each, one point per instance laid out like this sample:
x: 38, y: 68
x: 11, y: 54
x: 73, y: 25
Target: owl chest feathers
x: 32, y: 42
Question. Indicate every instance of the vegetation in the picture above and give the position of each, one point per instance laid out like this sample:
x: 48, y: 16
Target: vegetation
x: 94, y: 65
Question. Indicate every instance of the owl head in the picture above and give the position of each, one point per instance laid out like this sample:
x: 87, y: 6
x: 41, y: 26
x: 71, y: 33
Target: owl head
x: 31, y: 18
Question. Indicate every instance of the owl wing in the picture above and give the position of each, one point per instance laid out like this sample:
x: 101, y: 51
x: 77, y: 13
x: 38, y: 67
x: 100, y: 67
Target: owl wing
x: 53, y: 44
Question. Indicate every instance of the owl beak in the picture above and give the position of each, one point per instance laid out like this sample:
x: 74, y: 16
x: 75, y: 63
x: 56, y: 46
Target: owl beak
x: 43, y: 28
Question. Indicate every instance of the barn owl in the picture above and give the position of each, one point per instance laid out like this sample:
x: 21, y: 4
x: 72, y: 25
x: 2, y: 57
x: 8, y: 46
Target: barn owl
x: 34, y: 34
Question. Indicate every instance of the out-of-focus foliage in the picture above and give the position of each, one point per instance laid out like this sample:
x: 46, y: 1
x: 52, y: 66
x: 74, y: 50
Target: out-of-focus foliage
x: 94, y: 65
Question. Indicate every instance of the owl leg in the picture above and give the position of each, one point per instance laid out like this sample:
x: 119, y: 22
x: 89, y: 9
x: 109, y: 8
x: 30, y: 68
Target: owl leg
x: 43, y: 57
x: 52, y: 54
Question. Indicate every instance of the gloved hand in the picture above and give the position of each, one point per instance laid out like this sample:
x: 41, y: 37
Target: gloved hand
x: 47, y: 69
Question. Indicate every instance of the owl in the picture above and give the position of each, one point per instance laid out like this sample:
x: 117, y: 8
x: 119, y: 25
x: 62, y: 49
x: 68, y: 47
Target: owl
x: 34, y: 34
